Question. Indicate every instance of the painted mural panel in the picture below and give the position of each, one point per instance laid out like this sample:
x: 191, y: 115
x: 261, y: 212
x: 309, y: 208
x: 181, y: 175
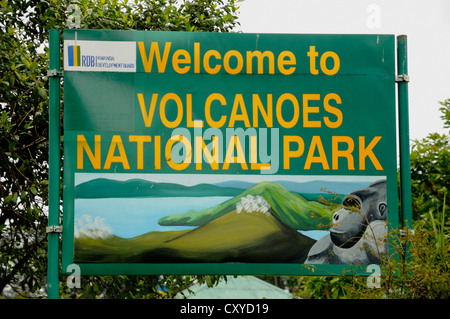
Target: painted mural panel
x: 281, y: 219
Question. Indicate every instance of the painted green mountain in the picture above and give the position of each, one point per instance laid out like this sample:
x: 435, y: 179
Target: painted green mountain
x: 107, y: 188
x: 233, y: 237
x: 290, y: 208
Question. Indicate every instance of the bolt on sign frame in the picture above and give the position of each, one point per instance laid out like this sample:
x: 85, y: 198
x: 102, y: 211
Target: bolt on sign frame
x: 208, y: 153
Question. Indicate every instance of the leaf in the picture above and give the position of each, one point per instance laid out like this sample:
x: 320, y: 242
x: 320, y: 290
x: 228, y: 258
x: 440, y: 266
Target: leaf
x: 42, y: 93
x: 11, y: 199
x: 33, y: 190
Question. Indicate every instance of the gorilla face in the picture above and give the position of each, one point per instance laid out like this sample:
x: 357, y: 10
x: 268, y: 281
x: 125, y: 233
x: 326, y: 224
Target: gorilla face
x: 359, y: 209
x: 348, y: 224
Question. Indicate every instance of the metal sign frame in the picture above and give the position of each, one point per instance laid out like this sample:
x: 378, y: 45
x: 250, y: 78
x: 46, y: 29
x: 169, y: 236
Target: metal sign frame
x: 204, y: 268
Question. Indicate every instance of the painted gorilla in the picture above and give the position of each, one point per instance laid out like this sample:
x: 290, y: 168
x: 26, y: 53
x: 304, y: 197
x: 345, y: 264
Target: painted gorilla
x: 358, y: 231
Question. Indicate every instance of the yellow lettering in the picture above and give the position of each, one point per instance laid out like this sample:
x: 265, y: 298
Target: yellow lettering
x: 290, y: 61
x: 267, y: 115
x: 288, y: 153
x: 189, y: 121
x: 200, y: 146
x: 310, y: 109
x: 312, y: 60
x: 157, y: 156
x: 206, y: 65
x: 209, y: 120
x: 116, y: 142
x: 229, y: 158
x: 336, y: 153
x: 260, y: 61
x: 154, y: 51
x: 83, y: 145
x: 316, y: 142
x: 140, y: 139
x: 226, y: 62
x: 196, y: 57
x: 323, y: 63
x: 162, y: 110
x: 293, y: 122
x: 239, y: 101
x: 176, y: 61
x: 332, y: 110
x: 148, y: 117
x: 368, y: 151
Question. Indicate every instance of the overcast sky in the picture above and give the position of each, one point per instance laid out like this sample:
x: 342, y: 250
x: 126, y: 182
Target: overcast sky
x: 426, y: 23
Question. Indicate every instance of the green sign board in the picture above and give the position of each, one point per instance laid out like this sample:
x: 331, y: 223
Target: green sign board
x: 210, y: 153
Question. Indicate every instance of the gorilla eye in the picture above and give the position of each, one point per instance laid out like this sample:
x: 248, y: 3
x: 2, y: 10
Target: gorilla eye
x: 351, y: 203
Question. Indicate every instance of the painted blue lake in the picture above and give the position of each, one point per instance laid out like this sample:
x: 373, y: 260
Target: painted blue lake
x: 132, y: 217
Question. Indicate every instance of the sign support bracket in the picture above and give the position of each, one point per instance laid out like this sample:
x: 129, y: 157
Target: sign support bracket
x: 54, y: 229
x: 55, y: 72
x: 402, y: 78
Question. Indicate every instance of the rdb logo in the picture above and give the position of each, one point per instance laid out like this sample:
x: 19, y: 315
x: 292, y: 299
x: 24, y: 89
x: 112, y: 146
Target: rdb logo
x: 88, y: 60
x: 74, y: 53
x: 76, y: 59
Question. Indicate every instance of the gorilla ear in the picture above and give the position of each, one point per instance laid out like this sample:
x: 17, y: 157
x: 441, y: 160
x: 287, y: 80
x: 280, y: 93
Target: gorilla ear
x: 382, y: 210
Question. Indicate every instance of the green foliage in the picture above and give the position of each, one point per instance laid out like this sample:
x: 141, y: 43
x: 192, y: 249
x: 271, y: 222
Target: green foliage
x: 24, y: 30
x: 23, y: 153
x: 417, y: 269
x: 164, y: 15
x: 445, y: 109
x: 134, y: 287
x: 321, y: 287
x: 430, y: 167
x: 419, y: 261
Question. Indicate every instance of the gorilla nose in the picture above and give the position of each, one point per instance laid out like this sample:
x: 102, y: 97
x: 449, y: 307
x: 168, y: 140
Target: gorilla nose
x: 341, y: 238
x: 338, y: 237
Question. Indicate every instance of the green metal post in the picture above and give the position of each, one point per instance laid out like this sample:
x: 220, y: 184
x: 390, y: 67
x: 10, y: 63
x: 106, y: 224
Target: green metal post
x: 403, y: 114
x: 54, y: 166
